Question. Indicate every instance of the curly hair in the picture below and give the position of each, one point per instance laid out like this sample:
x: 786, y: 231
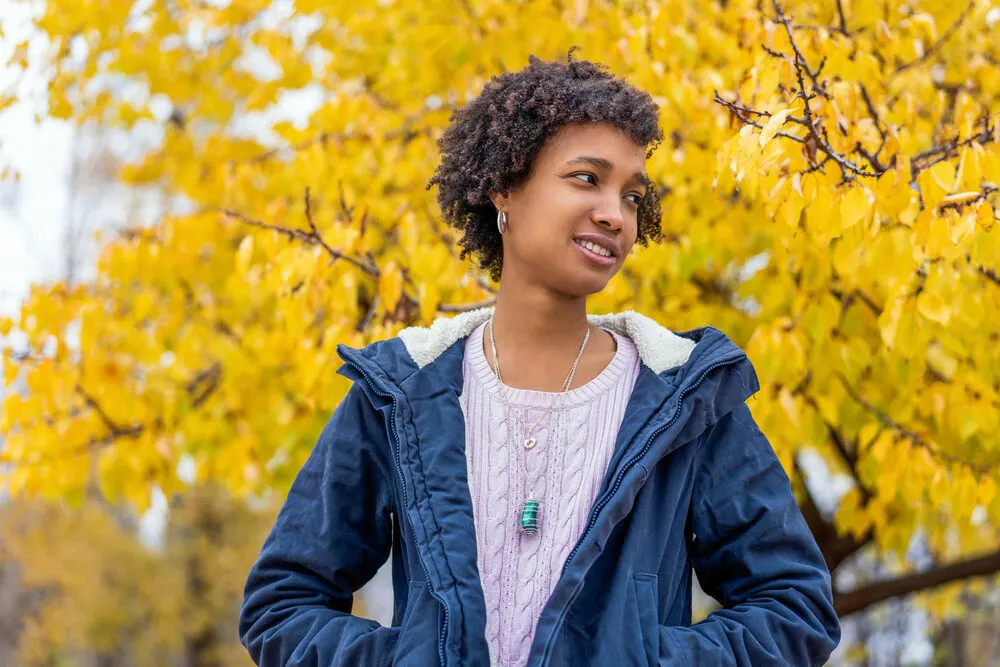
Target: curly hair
x: 491, y: 143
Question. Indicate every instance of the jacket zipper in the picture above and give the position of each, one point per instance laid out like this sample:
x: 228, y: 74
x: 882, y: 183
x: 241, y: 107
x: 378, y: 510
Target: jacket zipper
x: 599, y: 505
x: 402, y: 480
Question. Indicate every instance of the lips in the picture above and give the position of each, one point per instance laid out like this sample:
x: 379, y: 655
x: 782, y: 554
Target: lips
x: 603, y: 242
x: 594, y: 258
x: 594, y: 248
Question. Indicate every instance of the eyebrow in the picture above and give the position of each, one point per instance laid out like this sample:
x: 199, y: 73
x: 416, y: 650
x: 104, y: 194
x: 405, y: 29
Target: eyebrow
x: 638, y: 177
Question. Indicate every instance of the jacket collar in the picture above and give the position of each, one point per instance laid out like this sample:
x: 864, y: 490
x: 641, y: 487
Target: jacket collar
x: 670, y: 360
x: 658, y: 347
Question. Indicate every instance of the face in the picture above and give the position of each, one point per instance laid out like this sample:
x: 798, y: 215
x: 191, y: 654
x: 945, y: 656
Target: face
x: 586, y: 180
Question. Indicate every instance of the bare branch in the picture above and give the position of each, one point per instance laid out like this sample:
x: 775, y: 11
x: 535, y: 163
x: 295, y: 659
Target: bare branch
x: 909, y: 434
x: 799, y: 58
x: 947, y: 150
x: 114, y: 429
x: 200, y: 387
x: 941, y: 40
x: 836, y: 548
x: 860, y: 599
x: 874, y: 114
x: 843, y: 19
x: 449, y: 308
x: 738, y: 110
x: 312, y: 237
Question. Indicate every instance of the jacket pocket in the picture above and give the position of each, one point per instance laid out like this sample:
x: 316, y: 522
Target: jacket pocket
x: 412, y: 593
x: 647, y: 608
x: 418, y: 628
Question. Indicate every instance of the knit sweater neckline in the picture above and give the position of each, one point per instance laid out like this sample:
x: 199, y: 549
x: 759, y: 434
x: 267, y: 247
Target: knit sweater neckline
x: 588, y: 391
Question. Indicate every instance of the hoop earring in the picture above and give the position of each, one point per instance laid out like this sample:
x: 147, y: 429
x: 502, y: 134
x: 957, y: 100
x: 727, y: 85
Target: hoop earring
x: 502, y: 221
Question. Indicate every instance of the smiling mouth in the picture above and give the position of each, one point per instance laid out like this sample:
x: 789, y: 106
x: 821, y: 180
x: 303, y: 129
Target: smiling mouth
x: 594, y: 248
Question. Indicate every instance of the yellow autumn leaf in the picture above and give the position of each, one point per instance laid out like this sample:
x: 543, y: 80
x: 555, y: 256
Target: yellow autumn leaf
x: 985, y: 217
x: 390, y: 286
x: 244, y: 255
x: 854, y: 207
x: 986, y: 491
x: 931, y: 306
x: 940, y: 361
x: 10, y: 372
x: 943, y: 174
x: 772, y: 126
x: 961, y: 197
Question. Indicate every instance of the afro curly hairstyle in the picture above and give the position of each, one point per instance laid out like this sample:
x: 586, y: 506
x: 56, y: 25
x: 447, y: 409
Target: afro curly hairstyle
x: 491, y: 143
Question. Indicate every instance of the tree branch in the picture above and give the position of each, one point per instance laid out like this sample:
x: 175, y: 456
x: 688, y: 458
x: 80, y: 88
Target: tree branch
x: 936, y: 45
x: 451, y: 308
x: 860, y: 599
x: 843, y: 20
x: 200, y: 387
x: 906, y: 432
x: 312, y: 237
x: 836, y: 548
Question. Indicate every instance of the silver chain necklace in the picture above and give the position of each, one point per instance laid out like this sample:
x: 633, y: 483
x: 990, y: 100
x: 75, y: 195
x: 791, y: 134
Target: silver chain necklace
x: 530, y: 508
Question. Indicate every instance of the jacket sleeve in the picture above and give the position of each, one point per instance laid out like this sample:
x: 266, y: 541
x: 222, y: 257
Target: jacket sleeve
x: 330, y: 537
x: 754, y: 553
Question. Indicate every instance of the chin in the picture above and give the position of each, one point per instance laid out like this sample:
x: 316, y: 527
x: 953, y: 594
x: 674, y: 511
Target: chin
x: 582, y: 286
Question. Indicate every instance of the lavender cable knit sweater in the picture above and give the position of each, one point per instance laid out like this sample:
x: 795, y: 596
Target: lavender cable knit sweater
x: 575, y: 443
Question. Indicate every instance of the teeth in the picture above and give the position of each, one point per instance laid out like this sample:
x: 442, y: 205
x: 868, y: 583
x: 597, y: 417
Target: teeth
x: 593, y: 247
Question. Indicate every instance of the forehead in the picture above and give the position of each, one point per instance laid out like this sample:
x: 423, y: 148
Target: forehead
x: 597, y: 139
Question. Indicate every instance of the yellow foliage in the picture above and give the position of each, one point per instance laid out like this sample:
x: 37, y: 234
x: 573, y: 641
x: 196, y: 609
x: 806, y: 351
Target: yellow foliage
x: 90, y: 586
x: 870, y: 184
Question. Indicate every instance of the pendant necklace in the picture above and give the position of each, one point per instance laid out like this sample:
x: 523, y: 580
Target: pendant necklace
x: 530, y: 508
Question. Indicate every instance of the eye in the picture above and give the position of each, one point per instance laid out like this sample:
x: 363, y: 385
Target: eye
x: 636, y: 201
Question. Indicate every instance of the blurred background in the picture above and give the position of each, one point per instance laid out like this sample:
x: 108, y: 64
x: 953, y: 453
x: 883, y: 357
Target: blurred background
x: 200, y: 198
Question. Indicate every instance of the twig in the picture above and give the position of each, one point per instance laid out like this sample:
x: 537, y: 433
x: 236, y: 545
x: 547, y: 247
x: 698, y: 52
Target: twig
x: 907, y: 432
x: 936, y: 45
x: 875, y: 117
x: 201, y: 387
x: 947, y: 150
x: 114, y: 429
x: 738, y: 110
x: 800, y: 59
x: 843, y: 20
x: 990, y: 274
x: 311, y: 237
x: 449, y: 308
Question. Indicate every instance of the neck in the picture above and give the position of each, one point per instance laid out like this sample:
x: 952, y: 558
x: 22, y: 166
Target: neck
x: 532, y: 324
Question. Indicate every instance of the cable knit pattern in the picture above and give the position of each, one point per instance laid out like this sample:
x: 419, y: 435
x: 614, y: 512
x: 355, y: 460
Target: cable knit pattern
x: 575, y: 444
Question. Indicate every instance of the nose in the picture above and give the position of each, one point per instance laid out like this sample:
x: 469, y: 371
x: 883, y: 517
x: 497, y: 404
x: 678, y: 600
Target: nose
x: 609, y: 211
x: 610, y: 216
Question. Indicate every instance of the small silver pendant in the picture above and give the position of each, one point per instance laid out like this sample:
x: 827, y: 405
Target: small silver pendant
x: 529, y: 443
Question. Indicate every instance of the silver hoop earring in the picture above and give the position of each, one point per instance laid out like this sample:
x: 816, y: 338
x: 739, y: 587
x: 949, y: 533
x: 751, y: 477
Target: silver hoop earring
x: 502, y: 221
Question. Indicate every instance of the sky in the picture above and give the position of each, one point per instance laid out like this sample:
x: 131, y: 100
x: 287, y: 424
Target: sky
x: 33, y: 211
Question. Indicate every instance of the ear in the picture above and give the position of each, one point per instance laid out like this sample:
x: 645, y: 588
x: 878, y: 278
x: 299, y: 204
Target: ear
x: 499, y: 201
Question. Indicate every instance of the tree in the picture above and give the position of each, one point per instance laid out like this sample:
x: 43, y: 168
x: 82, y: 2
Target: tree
x: 88, y: 590
x: 851, y: 146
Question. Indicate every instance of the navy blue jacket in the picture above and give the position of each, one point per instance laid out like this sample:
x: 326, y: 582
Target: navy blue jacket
x: 693, y: 483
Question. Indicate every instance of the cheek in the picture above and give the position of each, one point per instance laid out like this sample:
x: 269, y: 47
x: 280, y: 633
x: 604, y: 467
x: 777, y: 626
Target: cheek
x: 633, y: 231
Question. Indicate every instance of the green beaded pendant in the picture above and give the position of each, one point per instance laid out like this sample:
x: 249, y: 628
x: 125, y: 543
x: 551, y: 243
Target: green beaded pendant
x: 529, y: 517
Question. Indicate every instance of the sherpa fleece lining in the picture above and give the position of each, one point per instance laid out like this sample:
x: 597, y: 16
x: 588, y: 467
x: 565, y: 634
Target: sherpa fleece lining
x: 658, y: 347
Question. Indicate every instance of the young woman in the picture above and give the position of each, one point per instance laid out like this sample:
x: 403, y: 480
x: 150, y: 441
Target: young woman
x: 545, y: 479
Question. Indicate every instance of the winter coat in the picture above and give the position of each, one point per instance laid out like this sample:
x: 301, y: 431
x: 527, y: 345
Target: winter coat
x: 693, y: 484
